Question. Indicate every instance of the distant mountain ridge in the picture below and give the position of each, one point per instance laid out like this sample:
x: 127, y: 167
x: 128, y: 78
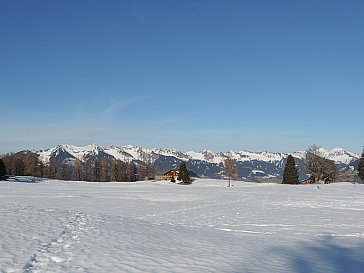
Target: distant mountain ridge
x: 252, y: 166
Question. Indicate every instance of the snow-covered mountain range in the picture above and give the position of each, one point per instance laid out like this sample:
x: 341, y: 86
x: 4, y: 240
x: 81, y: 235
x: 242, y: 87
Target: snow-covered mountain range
x: 251, y: 165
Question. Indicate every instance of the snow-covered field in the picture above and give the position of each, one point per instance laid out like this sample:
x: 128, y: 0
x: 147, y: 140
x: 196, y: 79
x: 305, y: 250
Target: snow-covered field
x: 56, y: 226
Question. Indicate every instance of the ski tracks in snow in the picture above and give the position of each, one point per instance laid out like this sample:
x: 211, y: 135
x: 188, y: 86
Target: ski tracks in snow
x: 56, y: 256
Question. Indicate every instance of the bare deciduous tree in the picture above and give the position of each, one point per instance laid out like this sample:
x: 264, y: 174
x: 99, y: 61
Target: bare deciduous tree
x: 230, y: 168
x: 114, y: 171
x: 78, y: 173
x: 97, y: 171
x: 105, y: 177
x: 65, y: 171
x: 31, y: 164
x: 321, y: 170
x: 149, y: 166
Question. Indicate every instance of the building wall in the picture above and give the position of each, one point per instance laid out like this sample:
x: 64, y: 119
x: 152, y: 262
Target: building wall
x: 163, y: 177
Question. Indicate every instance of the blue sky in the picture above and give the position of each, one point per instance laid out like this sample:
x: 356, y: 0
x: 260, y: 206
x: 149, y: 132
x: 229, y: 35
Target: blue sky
x: 255, y: 75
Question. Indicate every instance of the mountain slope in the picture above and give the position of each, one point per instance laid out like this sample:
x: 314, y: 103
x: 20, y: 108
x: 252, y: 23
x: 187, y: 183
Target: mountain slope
x: 252, y: 166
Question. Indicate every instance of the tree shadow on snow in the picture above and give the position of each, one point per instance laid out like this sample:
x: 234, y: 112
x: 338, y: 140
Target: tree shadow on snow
x: 325, y: 255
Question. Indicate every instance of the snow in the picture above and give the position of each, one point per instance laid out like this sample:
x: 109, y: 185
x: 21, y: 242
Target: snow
x: 262, y: 156
x: 44, y: 156
x: 339, y: 155
x: 171, y: 152
x: 78, y: 152
x: 56, y: 226
x: 134, y: 151
x: 240, y: 156
x: 207, y: 156
x: 119, y: 154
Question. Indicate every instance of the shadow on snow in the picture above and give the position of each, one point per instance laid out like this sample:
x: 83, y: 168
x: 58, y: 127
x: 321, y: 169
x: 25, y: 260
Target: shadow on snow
x: 325, y: 255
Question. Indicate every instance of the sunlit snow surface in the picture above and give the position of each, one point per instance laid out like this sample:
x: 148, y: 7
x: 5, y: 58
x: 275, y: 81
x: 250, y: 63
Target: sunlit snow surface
x: 57, y: 226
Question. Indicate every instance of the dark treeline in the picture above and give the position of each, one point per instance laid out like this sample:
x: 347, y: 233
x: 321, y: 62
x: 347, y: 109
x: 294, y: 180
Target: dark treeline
x: 105, y: 170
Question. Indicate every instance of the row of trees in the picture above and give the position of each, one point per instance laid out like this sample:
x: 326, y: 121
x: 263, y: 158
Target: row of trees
x: 100, y: 171
x: 24, y: 164
x: 97, y: 170
x: 320, y: 169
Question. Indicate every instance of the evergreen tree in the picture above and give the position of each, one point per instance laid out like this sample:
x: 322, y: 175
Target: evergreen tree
x: 361, y: 167
x: 290, y: 173
x: 183, y: 173
x: 131, y: 172
x: 2, y: 169
x: 141, y: 172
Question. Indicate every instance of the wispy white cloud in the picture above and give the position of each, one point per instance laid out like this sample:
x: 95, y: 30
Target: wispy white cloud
x: 101, y: 107
x: 113, y: 107
x: 27, y: 134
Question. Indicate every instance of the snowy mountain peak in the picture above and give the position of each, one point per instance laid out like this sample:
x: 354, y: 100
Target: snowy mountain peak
x: 204, y: 162
x: 206, y: 151
x: 210, y: 155
x: 130, y: 147
x: 339, y: 155
x: 337, y: 150
x: 165, y: 150
x: 136, y: 152
x: 81, y: 153
x: 262, y: 156
x: 118, y: 153
x: 171, y: 152
x: 133, y: 148
x: 207, y: 156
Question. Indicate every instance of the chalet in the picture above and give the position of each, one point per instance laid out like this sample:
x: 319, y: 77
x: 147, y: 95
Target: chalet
x: 168, y: 175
